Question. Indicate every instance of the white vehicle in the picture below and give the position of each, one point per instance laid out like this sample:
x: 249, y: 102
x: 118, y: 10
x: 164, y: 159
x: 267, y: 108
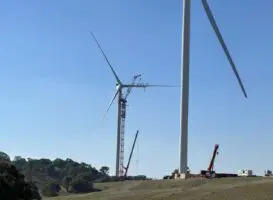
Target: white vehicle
x: 245, y: 172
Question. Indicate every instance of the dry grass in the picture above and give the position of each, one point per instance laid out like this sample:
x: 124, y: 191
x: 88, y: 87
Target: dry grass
x: 192, y: 189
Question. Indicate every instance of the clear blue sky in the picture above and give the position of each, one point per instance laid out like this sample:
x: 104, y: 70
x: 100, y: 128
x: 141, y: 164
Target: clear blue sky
x: 55, y: 85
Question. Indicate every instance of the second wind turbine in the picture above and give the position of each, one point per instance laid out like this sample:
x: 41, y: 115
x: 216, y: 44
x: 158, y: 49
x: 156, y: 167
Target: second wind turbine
x: 122, y: 100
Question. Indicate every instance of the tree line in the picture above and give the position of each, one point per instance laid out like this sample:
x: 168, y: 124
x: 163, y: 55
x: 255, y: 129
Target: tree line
x: 53, y: 176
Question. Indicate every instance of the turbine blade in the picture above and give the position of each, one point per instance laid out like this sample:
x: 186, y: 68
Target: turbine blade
x: 105, y: 57
x: 148, y: 85
x: 221, y: 40
x: 162, y: 85
x: 110, y: 104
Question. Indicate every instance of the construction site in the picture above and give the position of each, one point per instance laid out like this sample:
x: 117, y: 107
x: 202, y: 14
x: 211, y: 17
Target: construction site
x: 198, y: 124
x: 183, y: 172
x: 211, y: 173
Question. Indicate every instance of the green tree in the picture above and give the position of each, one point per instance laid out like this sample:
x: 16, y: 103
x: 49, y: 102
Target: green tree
x: 4, y: 156
x: 51, y: 189
x: 13, y: 186
x: 20, y: 163
x: 104, y: 170
x: 66, y: 182
x: 79, y: 185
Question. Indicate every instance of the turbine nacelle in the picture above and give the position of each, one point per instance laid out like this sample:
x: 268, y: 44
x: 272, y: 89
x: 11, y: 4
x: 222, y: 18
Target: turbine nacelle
x: 118, y: 86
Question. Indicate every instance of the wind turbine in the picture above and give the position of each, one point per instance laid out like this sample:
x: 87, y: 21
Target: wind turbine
x: 122, y: 100
x: 185, y: 76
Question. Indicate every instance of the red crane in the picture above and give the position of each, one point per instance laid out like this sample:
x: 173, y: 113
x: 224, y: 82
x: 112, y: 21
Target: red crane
x: 215, y: 152
x: 210, y: 172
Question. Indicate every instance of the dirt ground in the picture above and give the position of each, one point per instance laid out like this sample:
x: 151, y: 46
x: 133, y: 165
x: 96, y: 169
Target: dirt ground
x: 255, y: 188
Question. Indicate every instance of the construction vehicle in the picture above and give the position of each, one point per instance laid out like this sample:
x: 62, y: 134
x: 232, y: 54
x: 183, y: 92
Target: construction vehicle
x: 176, y: 175
x: 210, y: 173
x: 245, y: 172
x: 268, y: 173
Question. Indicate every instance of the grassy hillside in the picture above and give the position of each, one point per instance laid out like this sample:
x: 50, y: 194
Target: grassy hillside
x: 192, y: 189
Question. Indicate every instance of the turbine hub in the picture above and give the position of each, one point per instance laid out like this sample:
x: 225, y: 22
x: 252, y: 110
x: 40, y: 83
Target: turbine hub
x: 118, y: 86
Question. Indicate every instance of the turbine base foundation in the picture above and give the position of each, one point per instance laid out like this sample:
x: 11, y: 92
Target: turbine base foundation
x: 183, y: 176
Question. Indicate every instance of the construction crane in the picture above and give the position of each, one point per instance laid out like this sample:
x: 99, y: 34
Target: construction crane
x: 131, y: 153
x: 123, y: 104
x: 210, y: 173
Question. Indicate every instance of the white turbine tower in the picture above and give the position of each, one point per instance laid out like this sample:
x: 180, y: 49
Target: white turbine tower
x: 122, y: 100
x: 185, y: 63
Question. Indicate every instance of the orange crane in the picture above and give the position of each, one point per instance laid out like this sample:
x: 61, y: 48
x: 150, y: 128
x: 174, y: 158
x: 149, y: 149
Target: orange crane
x: 210, y: 173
